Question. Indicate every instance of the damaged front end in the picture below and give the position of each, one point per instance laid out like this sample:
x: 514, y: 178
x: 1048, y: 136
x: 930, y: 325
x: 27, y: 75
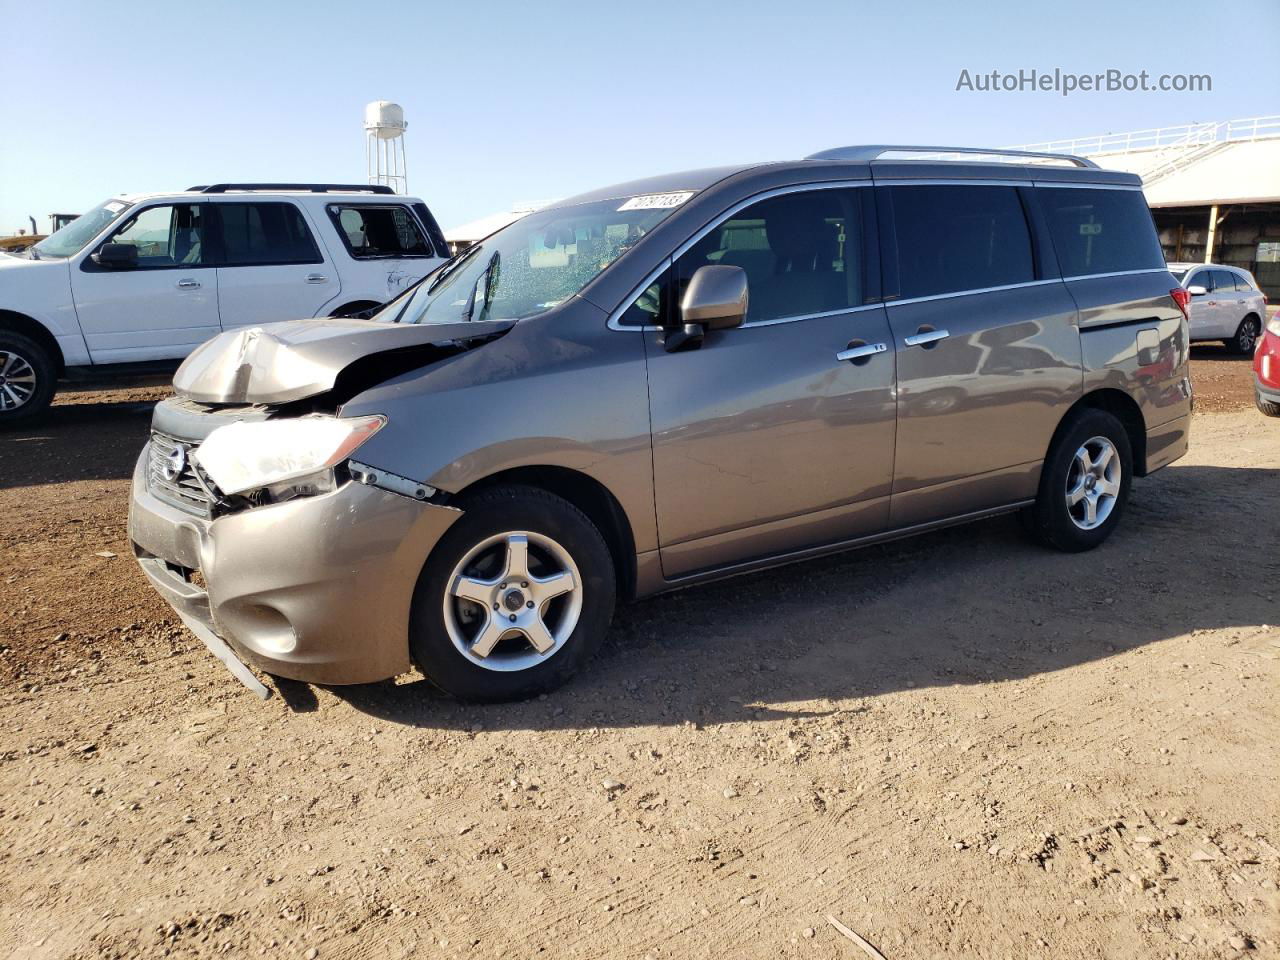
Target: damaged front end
x: 255, y: 420
x: 253, y: 515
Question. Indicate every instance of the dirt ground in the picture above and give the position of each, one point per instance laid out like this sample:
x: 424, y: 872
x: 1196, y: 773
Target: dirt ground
x: 956, y: 745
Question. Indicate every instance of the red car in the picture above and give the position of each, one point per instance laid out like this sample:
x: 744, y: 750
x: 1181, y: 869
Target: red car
x: 1266, y: 369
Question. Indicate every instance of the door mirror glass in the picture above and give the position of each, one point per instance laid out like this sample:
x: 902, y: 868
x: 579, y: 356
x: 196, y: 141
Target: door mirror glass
x: 1196, y: 290
x: 716, y: 298
x: 117, y: 256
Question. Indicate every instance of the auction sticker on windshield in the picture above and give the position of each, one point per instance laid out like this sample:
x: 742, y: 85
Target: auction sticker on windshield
x: 657, y: 201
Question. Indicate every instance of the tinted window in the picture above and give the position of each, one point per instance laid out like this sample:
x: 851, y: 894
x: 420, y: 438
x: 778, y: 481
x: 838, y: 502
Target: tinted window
x: 1224, y: 281
x: 1100, y: 231
x: 379, y: 231
x: 802, y: 253
x: 953, y: 238
x: 263, y: 233
x: 165, y: 236
x: 1201, y: 278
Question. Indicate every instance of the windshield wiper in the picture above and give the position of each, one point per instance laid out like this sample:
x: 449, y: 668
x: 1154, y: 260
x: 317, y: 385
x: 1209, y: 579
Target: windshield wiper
x: 450, y: 268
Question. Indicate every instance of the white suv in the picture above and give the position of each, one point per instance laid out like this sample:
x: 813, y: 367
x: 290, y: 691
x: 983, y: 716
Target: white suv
x: 1226, y: 304
x: 149, y: 278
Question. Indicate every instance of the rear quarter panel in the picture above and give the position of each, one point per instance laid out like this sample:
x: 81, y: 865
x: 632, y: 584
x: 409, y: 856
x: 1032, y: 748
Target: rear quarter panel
x: 1134, y: 339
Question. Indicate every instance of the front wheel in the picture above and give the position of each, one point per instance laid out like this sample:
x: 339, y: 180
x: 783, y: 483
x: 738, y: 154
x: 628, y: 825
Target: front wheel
x: 514, y: 598
x: 1246, y: 336
x: 27, y: 378
x: 1084, y: 483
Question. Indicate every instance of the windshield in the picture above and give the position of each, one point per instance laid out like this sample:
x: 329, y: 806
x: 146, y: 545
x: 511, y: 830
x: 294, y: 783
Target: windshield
x: 72, y: 238
x: 1178, y: 274
x: 535, y: 264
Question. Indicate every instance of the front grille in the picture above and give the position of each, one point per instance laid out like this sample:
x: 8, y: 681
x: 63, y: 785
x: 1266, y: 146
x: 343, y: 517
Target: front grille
x: 183, y: 490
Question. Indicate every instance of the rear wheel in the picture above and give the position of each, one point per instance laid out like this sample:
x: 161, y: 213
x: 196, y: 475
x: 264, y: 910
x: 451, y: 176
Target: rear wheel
x: 514, y: 599
x: 27, y: 378
x: 1269, y: 407
x: 1084, y: 483
x: 1246, y: 337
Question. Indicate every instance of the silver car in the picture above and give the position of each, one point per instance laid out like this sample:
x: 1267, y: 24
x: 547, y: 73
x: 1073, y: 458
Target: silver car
x: 656, y: 384
x: 1226, y: 304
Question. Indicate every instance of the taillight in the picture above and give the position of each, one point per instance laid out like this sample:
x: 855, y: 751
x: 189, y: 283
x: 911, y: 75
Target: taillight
x: 1183, y: 299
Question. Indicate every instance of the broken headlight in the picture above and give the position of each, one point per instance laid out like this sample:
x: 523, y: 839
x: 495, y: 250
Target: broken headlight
x: 271, y: 461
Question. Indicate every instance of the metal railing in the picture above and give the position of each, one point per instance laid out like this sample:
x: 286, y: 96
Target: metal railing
x: 1164, y: 138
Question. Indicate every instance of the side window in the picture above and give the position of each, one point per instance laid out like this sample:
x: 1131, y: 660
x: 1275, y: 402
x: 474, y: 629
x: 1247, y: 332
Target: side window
x: 802, y: 253
x: 955, y: 238
x: 371, y: 231
x: 1201, y: 278
x: 257, y: 234
x: 1100, y: 231
x: 653, y: 308
x: 1224, y: 282
x: 165, y: 236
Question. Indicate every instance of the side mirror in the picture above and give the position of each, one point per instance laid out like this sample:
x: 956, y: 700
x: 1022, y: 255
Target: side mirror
x: 1196, y: 290
x: 716, y: 299
x: 116, y: 256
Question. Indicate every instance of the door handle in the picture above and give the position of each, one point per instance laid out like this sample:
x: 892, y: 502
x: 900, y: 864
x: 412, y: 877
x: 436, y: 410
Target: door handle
x: 188, y: 284
x: 925, y: 337
x: 861, y: 352
x: 316, y: 278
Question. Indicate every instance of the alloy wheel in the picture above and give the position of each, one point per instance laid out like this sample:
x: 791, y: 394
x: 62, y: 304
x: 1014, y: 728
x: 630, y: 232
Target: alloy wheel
x: 17, y: 381
x: 1093, y: 483
x: 513, y: 601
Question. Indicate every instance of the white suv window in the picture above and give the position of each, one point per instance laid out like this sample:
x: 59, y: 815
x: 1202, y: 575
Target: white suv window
x: 373, y: 231
x: 165, y: 236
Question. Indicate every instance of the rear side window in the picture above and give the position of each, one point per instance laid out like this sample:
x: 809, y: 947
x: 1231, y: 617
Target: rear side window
x: 378, y: 231
x: 1100, y: 231
x: 258, y: 234
x: 955, y: 238
x: 1224, y: 281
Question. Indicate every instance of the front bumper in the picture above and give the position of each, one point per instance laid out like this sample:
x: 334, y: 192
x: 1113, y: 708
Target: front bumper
x: 317, y: 589
x: 1265, y: 391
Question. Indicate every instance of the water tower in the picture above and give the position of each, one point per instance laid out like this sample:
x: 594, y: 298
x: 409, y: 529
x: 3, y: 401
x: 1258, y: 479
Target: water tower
x: 384, y: 128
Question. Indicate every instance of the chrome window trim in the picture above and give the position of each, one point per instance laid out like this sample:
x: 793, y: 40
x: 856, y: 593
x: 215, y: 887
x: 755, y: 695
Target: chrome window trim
x: 1087, y: 186
x: 969, y: 293
x: 1117, y: 273
x: 943, y: 182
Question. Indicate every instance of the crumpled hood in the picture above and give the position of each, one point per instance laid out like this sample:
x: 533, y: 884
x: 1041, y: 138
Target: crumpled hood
x: 282, y: 362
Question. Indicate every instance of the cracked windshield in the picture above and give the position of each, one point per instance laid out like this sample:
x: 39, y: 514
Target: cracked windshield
x: 536, y: 263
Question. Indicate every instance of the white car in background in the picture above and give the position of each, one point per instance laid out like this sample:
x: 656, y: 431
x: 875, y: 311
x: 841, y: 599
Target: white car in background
x: 148, y: 278
x: 1226, y: 304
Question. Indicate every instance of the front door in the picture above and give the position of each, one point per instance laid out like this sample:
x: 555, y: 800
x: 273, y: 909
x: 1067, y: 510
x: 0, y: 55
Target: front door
x: 163, y: 307
x: 764, y: 441
x: 988, y: 357
x: 270, y: 266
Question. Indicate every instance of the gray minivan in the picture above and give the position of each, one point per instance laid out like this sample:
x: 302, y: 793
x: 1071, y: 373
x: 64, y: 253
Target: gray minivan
x: 660, y: 383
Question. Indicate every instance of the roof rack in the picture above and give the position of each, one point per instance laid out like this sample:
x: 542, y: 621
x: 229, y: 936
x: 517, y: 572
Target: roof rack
x: 294, y: 187
x: 868, y: 154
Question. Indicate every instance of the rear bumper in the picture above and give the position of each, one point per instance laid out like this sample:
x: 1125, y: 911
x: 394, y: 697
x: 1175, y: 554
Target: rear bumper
x: 317, y: 589
x: 1167, y: 443
x: 1265, y: 391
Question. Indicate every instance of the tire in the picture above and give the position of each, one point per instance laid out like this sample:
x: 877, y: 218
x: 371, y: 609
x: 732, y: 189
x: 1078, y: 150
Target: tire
x: 466, y: 647
x: 1246, y: 337
x: 1269, y: 408
x: 28, y: 378
x: 1052, y: 519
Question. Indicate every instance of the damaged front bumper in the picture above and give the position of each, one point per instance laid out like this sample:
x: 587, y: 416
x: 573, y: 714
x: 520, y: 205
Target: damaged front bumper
x: 317, y: 589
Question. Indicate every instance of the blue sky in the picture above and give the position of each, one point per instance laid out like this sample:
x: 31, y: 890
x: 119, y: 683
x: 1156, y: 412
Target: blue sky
x: 511, y: 101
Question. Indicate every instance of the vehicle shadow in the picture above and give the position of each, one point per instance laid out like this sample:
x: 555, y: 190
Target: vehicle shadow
x: 1215, y: 352
x: 92, y: 432
x: 972, y: 605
